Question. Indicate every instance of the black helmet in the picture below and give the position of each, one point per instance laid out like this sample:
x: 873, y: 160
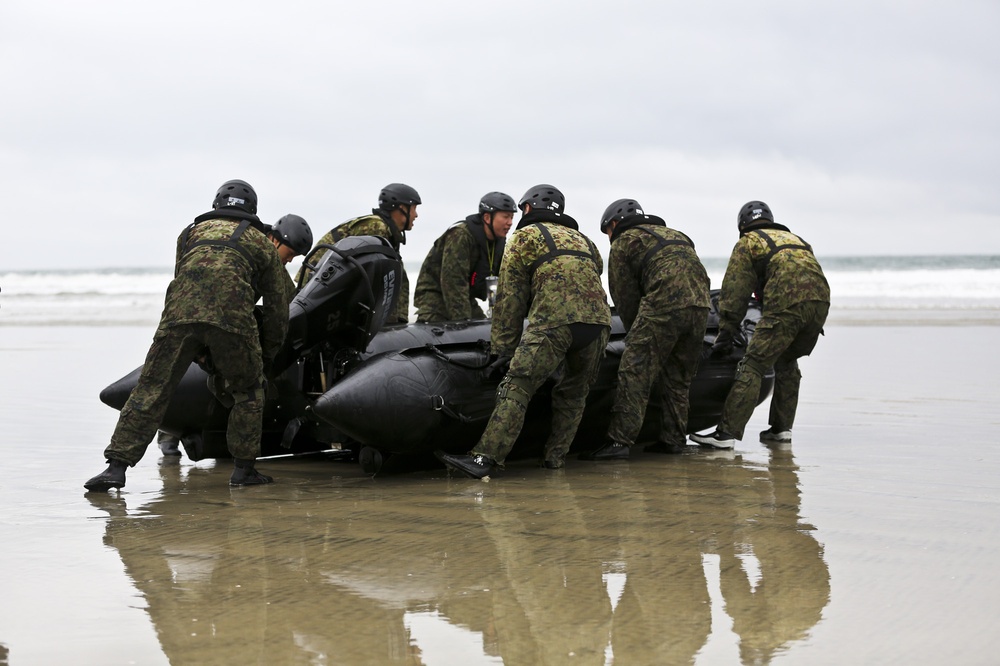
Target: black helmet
x: 753, y: 211
x: 236, y: 194
x: 543, y: 196
x: 494, y: 201
x: 294, y: 232
x: 397, y: 194
x: 617, y: 211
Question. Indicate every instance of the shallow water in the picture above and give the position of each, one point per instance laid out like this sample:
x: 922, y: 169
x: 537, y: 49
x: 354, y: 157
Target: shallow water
x: 870, y: 541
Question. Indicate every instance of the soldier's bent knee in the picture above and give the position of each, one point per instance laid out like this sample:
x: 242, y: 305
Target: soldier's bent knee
x: 748, y: 364
x: 516, y: 389
x: 256, y: 393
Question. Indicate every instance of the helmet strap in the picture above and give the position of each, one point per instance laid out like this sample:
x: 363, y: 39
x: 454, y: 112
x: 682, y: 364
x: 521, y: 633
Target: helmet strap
x: 488, y: 224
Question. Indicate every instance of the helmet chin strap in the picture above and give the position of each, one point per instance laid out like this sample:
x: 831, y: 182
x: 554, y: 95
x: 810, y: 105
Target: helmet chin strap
x: 405, y: 212
x: 493, y: 232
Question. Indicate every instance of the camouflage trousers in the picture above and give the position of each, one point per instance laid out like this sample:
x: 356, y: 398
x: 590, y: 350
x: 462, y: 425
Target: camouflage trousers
x: 662, y: 353
x: 538, y: 356
x: 779, y: 340
x: 237, y: 360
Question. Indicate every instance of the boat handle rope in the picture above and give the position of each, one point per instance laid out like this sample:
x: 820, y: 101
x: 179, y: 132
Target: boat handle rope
x: 444, y: 357
x: 439, y: 405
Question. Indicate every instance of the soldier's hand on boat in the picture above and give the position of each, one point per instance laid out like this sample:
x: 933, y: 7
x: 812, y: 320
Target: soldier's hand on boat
x: 498, y: 366
x: 723, y: 345
x: 204, y: 361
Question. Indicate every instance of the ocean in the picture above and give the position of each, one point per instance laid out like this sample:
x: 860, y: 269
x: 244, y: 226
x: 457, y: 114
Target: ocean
x: 948, y: 289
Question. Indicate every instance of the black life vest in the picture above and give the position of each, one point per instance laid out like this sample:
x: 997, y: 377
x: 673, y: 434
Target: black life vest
x: 483, y: 267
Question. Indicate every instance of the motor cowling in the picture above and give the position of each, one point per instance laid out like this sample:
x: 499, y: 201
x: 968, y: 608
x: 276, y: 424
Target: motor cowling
x: 347, y: 299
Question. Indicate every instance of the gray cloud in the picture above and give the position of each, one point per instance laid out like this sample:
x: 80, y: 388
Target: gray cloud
x: 870, y: 127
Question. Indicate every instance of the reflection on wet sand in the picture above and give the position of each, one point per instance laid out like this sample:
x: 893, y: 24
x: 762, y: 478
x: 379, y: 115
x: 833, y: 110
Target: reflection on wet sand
x: 594, y: 564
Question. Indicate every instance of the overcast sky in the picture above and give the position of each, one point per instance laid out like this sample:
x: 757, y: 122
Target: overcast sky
x: 869, y: 126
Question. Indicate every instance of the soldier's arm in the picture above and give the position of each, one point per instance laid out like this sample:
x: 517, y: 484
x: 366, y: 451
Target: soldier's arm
x: 598, y: 259
x: 738, y: 286
x: 513, y: 299
x: 290, y: 288
x: 179, y: 250
x: 403, y: 304
x: 624, y: 286
x: 458, y: 254
x: 271, y: 283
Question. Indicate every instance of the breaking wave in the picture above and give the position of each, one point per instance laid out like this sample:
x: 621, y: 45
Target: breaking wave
x: 135, y: 296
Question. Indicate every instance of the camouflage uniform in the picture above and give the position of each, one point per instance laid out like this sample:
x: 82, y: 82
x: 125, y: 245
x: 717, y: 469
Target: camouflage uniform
x: 453, y: 276
x: 209, y: 311
x: 661, y: 291
x: 290, y: 288
x: 782, y: 270
x: 377, y: 224
x: 551, y: 275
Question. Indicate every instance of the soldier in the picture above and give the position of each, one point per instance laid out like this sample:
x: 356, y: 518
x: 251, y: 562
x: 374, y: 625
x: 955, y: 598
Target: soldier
x: 459, y: 266
x: 224, y: 260
x: 551, y: 274
x: 782, y: 270
x: 661, y: 290
x: 292, y: 237
x: 396, y: 212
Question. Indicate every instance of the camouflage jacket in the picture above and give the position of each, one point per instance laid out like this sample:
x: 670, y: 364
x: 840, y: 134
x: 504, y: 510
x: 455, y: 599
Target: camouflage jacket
x: 219, y: 284
x: 377, y: 224
x: 290, y: 288
x: 551, y: 274
x: 454, y: 273
x: 653, y: 269
x: 776, y: 265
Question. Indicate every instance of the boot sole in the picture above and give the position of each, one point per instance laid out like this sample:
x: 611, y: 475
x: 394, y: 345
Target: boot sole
x: 724, y: 445
x: 103, y: 486
x: 472, y: 474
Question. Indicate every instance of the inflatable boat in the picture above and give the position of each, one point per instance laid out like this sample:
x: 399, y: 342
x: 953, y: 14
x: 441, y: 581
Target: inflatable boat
x: 345, y: 382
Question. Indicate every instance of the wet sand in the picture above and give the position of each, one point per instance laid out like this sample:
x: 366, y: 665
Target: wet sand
x: 871, y: 540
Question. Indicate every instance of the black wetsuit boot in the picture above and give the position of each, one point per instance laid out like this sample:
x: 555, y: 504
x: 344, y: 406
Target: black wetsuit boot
x: 112, y: 477
x: 244, y: 474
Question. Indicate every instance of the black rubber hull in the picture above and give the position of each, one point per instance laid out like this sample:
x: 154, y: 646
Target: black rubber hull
x: 416, y: 388
x: 420, y: 400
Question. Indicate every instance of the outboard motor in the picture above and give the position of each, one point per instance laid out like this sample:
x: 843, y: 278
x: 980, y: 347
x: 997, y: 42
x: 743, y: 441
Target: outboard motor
x: 347, y: 299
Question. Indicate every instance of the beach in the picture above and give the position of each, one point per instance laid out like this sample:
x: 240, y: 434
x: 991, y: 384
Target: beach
x: 870, y: 540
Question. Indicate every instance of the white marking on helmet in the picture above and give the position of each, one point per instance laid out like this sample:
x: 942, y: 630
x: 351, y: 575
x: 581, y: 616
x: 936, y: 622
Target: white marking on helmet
x: 234, y: 201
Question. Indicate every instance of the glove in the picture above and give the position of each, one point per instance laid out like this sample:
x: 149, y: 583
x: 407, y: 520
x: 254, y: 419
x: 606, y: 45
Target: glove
x: 217, y: 387
x: 204, y: 361
x: 723, y: 345
x: 740, y: 339
x: 498, y: 367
